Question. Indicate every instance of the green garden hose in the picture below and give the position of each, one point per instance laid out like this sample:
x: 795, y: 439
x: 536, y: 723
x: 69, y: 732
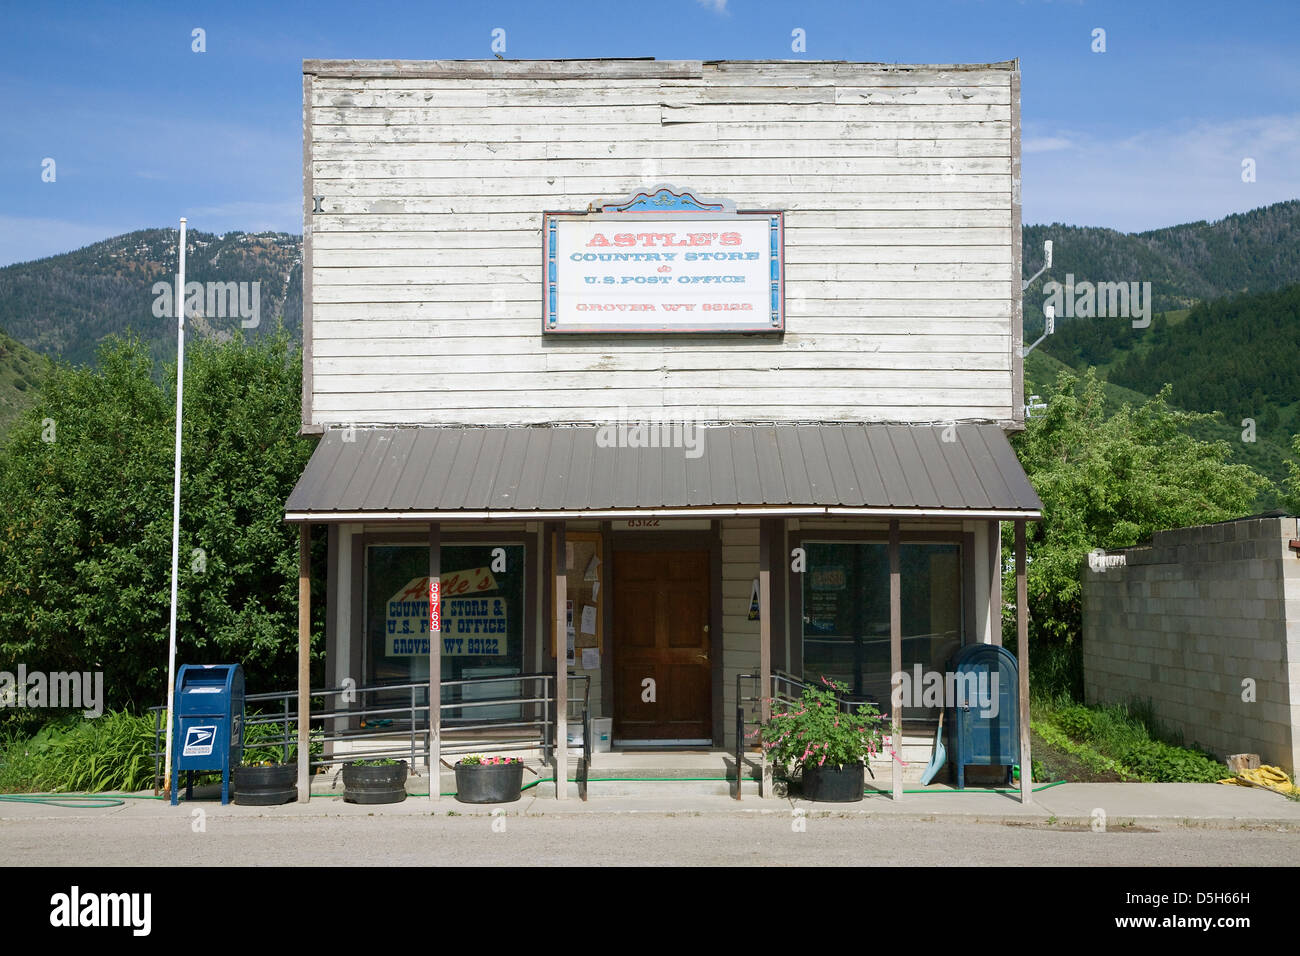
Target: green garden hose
x: 85, y: 801
x: 72, y: 801
x: 1046, y: 786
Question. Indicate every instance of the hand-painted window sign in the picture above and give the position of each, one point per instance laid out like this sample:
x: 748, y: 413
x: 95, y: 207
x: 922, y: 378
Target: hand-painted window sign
x: 471, y: 627
x: 663, y: 261
x: 467, y: 626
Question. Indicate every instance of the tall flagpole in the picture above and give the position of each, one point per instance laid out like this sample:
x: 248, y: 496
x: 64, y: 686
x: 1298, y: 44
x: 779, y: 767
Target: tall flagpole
x: 176, y: 509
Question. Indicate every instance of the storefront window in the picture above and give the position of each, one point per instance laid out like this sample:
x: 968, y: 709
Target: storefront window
x: 846, y: 613
x: 482, y: 620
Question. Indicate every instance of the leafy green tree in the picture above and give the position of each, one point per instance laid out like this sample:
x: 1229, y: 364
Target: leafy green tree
x: 85, y: 538
x: 1292, y: 481
x: 1109, y: 482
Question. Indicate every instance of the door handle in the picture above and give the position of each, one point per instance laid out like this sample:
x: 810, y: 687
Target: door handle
x: 702, y: 657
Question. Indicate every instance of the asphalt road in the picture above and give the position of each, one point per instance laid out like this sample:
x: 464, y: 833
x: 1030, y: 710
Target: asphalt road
x: 623, y: 839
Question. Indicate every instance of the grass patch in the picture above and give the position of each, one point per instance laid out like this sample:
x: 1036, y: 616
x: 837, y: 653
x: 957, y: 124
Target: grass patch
x: 1125, y: 740
x: 74, y: 754
x: 1090, y: 761
x: 114, y: 752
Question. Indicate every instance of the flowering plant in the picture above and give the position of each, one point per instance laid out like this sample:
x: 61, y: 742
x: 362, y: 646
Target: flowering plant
x: 817, y: 730
x: 478, y: 760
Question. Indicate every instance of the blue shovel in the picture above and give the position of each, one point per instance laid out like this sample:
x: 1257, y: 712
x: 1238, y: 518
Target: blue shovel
x: 939, y: 757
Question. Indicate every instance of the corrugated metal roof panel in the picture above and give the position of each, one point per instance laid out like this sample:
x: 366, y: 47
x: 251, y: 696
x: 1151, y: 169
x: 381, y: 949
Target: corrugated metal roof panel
x: 672, y: 464
x: 556, y: 478
x: 446, y: 469
x: 604, y: 476
x: 891, y: 472
x: 812, y: 463
x: 933, y: 447
x: 964, y: 472
x: 746, y: 449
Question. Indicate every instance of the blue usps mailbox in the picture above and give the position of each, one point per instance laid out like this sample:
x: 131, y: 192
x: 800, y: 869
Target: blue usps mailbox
x: 985, y: 730
x: 208, y: 729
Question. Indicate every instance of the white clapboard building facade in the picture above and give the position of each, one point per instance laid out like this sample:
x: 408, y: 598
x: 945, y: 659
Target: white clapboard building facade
x: 677, y: 379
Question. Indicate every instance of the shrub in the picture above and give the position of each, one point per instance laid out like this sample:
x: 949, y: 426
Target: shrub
x: 1129, y: 740
x: 817, y: 730
x: 1157, y: 762
x: 73, y: 754
x: 85, y: 533
x: 1077, y: 721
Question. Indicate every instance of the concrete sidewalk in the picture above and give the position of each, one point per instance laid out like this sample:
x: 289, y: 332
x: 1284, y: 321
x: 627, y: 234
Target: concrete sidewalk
x: 1072, y: 805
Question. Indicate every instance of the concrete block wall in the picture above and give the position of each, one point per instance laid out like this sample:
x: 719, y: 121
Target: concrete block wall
x: 1192, y: 617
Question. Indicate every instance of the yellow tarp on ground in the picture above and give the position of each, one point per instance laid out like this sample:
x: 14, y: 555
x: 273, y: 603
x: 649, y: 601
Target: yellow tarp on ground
x: 1270, y: 778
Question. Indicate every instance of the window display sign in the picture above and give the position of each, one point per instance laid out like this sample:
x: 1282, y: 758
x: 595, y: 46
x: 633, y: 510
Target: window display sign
x: 468, y: 626
x: 663, y: 261
x: 481, y: 615
x: 471, y: 627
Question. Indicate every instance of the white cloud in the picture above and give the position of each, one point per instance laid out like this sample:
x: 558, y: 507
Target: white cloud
x: 25, y: 238
x: 1045, y: 144
x: 717, y: 6
x: 247, y: 216
x: 1161, y: 176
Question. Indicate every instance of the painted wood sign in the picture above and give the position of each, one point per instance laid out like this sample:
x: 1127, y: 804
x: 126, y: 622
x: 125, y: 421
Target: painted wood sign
x: 663, y: 261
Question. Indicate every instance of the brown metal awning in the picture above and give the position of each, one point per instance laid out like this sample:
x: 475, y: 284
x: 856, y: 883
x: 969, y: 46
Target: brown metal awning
x: 448, y: 473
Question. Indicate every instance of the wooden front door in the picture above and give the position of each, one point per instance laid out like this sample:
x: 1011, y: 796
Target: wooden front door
x: 661, y: 634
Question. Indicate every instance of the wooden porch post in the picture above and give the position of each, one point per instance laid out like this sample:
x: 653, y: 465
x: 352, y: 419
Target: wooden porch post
x: 561, y: 668
x: 766, y: 538
x: 895, y: 659
x: 1022, y: 658
x: 304, y: 662
x: 435, y: 667
x: 995, y: 582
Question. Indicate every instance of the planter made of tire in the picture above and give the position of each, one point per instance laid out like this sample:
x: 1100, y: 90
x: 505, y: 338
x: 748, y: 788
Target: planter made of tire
x: 828, y: 784
x: 489, y: 783
x: 365, y: 784
x: 266, y: 786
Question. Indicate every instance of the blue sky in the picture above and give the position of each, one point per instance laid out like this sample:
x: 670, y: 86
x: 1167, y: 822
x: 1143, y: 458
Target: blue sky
x: 142, y: 130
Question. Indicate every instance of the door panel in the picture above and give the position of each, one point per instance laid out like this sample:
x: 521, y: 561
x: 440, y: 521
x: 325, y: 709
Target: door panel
x: 661, y: 633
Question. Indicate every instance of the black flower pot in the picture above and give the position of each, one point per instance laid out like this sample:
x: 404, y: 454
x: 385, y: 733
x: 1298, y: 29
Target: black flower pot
x: 489, y: 783
x: 830, y: 784
x: 266, y: 786
x: 365, y: 784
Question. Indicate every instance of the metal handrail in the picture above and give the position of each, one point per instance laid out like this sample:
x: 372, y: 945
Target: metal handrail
x: 417, y: 722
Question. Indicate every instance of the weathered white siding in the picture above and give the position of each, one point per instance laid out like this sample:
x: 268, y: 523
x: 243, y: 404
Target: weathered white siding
x: 901, y: 191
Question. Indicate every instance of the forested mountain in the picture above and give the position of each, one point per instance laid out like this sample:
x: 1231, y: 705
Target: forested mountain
x: 1225, y: 321
x: 63, y: 306
x: 1255, y: 251
x: 21, y: 373
x: 1239, y: 355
